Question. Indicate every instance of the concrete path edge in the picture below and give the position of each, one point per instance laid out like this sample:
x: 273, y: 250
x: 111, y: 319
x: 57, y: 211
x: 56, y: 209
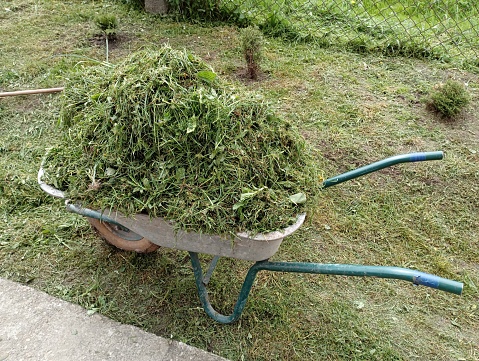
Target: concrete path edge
x: 36, y: 326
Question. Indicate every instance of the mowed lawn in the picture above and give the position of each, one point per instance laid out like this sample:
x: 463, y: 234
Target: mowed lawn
x: 354, y: 109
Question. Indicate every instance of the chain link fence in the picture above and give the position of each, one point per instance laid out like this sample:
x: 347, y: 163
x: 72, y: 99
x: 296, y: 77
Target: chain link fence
x: 439, y: 29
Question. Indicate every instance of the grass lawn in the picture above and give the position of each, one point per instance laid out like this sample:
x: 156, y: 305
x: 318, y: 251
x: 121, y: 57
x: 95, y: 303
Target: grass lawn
x: 355, y: 109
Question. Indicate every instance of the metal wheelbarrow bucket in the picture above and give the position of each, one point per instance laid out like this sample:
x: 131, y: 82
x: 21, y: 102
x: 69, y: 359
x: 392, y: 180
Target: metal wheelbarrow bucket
x: 144, y: 234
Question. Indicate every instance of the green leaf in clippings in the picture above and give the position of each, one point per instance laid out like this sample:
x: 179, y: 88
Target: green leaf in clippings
x: 206, y: 75
x: 237, y: 205
x: 109, y: 172
x: 191, y: 125
x: 180, y: 174
x: 298, y: 198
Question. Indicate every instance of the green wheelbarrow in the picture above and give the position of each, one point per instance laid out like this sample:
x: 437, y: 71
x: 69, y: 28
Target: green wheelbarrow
x: 144, y: 234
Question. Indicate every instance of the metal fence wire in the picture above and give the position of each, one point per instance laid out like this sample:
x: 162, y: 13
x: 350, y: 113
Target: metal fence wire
x: 439, y: 29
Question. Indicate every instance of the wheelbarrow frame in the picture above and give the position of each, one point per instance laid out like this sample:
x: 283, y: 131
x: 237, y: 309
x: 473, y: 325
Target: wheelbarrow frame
x: 258, y: 247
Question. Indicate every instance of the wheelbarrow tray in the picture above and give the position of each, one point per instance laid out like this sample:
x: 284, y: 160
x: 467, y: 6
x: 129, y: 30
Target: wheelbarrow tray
x: 245, y: 246
x: 250, y: 247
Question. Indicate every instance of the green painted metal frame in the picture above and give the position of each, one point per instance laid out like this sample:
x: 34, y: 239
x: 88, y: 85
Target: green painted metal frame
x: 90, y: 213
x: 384, y: 163
x: 416, y: 277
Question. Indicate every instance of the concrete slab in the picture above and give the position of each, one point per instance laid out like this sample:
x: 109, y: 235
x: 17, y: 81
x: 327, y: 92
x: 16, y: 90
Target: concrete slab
x: 36, y: 326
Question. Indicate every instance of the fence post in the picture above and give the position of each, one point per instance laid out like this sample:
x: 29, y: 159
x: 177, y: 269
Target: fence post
x: 156, y: 6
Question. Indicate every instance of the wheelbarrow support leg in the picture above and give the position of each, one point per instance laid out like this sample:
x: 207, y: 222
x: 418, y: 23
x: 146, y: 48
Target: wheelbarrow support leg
x: 211, y: 268
x: 416, y: 277
x: 203, y: 292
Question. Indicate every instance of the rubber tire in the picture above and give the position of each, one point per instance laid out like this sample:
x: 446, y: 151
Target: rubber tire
x: 105, y: 230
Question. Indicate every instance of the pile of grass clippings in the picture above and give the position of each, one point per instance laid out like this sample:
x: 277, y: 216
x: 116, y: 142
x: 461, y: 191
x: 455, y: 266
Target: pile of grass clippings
x: 159, y: 133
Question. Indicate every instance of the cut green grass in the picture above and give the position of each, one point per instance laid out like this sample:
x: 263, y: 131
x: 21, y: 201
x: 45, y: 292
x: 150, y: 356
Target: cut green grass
x: 354, y: 109
x: 160, y: 134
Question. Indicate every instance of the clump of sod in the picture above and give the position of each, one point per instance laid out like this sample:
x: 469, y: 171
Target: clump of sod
x: 449, y: 99
x: 160, y: 134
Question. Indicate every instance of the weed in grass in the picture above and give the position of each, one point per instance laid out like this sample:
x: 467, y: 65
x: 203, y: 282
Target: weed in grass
x: 252, y: 43
x: 449, y: 99
x: 8, y: 77
x: 108, y: 25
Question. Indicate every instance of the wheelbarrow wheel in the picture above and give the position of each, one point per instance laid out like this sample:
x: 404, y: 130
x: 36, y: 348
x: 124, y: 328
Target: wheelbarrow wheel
x: 122, y: 238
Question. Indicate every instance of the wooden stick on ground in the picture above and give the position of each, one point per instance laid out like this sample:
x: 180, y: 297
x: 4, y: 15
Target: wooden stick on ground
x: 33, y: 91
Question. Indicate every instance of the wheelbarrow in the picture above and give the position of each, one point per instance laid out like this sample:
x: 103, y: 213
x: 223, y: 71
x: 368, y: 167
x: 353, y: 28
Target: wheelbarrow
x: 144, y: 234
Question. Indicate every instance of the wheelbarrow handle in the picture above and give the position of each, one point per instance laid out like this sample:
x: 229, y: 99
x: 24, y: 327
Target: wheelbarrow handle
x: 399, y: 273
x: 402, y: 158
